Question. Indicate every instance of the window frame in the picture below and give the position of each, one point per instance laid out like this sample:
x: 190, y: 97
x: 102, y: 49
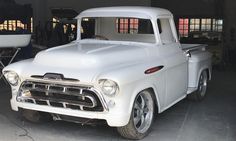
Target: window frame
x: 12, y: 25
x: 183, y: 25
x: 172, y: 28
x: 195, y: 23
x: 97, y: 24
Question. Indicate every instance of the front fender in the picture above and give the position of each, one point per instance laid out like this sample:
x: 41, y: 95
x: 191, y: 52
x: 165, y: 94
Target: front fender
x: 131, y: 81
x: 18, y: 68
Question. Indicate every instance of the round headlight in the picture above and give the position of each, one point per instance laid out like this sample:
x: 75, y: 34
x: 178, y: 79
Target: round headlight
x: 108, y: 87
x: 12, y: 77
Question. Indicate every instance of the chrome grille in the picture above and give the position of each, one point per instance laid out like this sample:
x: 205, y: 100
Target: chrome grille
x: 59, y: 95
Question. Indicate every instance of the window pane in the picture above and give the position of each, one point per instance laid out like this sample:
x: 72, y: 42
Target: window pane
x: 185, y: 26
x: 197, y: 27
x: 213, y: 26
x: 203, y: 27
x: 220, y: 22
x: 197, y: 21
x: 220, y: 28
x: 208, y: 27
x: 192, y: 21
x: 186, y: 21
x: 208, y: 21
x: 32, y: 25
x: 204, y: 21
x: 213, y: 21
x: 192, y: 27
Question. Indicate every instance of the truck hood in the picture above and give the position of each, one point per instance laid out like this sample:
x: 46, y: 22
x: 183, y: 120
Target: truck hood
x: 83, y: 61
x: 91, y: 55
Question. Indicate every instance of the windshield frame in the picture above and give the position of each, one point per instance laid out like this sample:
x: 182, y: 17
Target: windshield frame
x: 154, y: 26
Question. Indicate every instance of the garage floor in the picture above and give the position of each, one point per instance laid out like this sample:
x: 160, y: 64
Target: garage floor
x: 214, y: 119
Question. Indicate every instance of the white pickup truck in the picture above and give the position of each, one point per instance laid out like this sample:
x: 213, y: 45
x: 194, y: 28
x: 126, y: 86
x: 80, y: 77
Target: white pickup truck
x: 126, y: 67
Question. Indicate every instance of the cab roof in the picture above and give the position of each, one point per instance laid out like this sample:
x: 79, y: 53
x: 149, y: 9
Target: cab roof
x: 126, y: 11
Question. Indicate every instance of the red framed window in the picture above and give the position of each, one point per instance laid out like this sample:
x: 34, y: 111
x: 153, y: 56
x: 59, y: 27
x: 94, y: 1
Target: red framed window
x: 127, y: 25
x: 183, y: 27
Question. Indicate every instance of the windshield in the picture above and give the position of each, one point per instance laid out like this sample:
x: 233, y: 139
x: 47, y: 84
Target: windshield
x: 118, y: 29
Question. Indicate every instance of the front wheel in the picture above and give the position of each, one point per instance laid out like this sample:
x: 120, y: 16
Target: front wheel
x: 141, y: 118
x: 35, y: 116
x: 200, y: 94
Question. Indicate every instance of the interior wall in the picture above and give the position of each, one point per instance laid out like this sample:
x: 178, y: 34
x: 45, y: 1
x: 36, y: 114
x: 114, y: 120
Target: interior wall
x: 230, y: 24
x: 206, y: 8
x: 80, y: 5
x: 42, y: 8
x: 108, y: 27
x: 39, y: 9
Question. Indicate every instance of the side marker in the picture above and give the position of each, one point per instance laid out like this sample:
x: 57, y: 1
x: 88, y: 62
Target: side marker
x: 154, y: 69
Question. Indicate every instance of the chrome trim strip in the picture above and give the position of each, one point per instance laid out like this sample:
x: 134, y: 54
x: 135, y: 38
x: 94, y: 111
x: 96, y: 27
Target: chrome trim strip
x: 61, y: 82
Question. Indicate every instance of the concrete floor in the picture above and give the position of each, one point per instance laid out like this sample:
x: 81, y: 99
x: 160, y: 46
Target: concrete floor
x: 214, y: 119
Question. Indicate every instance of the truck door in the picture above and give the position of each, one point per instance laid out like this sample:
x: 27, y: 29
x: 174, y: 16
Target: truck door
x: 176, y: 62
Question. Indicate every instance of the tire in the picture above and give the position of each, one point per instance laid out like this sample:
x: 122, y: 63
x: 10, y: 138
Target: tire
x: 35, y: 116
x: 141, y: 118
x: 200, y: 93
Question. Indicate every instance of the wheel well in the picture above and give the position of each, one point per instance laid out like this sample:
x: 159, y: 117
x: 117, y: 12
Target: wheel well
x: 208, y: 73
x: 155, y: 99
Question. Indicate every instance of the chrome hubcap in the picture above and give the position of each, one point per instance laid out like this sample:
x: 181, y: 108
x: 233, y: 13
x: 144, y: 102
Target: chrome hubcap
x: 203, y: 84
x: 143, y: 112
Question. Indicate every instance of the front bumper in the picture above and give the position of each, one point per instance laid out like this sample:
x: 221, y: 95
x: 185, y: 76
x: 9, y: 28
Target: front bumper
x: 113, y: 120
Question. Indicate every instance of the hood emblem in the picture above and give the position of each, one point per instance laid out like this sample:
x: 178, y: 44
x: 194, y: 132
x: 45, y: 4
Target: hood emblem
x: 53, y: 76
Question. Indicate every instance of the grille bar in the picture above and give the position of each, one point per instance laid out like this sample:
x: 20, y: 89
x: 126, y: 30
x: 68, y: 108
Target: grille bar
x: 49, y: 99
x: 58, y: 95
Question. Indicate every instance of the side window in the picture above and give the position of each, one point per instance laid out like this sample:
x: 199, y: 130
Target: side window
x: 165, y: 30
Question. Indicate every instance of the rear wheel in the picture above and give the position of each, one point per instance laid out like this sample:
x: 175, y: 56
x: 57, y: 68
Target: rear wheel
x: 202, y: 88
x: 141, y: 118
